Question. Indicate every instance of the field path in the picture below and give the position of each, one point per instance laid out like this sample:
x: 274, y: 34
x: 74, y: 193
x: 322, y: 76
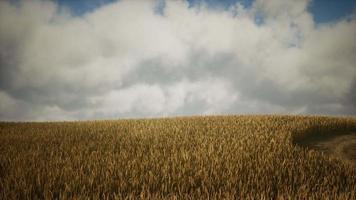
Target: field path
x: 342, y: 146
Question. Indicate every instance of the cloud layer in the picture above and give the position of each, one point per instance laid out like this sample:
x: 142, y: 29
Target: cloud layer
x: 142, y: 59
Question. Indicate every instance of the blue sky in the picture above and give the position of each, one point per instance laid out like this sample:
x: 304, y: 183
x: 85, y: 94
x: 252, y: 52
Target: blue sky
x: 322, y: 10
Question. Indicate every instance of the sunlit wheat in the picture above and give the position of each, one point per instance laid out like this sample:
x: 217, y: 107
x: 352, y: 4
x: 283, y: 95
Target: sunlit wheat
x: 243, y: 157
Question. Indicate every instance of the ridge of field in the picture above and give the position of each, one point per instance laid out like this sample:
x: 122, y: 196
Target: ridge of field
x: 215, y: 157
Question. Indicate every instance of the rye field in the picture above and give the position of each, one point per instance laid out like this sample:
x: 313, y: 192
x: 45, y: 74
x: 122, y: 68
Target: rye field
x: 215, y: 157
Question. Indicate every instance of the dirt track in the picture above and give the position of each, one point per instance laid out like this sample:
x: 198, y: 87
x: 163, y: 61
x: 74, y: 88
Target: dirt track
x: 342, y: 146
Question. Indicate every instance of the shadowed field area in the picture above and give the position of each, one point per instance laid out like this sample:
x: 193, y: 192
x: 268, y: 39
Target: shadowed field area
x: 216, y: 157
x: 342, y: 145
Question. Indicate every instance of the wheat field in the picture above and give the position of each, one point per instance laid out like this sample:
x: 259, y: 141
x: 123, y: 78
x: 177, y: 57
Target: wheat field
x: 215, y: 157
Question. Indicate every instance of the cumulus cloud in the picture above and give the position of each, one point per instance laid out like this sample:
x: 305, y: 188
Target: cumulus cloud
x: 125, y: 59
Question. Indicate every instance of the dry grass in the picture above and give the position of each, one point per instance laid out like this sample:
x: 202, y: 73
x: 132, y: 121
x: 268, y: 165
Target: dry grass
x: 222, y: 157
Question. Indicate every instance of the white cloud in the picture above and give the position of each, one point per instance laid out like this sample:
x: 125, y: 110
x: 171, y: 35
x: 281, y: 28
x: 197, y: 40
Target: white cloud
x: 213, y: 96
x: 125, y: 59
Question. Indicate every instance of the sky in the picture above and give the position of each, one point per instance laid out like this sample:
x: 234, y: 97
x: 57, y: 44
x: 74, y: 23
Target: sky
x: 105, y: 59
